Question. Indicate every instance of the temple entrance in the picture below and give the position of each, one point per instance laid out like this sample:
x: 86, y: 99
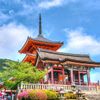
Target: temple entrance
x: 56, y: 78
x: 76, y: 80
x: 78, y: 77
x: 56, y: 75
x: 59, y: 75
x: 67, y: 78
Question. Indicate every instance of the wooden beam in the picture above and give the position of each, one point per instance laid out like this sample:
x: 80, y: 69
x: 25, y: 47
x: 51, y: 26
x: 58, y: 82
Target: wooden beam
x: 81, y: 64
x: 50, y: 62
x: 57, y: 70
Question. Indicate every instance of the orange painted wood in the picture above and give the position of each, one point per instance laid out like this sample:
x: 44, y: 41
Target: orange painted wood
x: 29, y: 44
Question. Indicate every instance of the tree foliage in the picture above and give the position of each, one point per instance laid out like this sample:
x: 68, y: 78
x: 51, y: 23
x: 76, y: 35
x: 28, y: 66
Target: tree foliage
x: 19, y: 71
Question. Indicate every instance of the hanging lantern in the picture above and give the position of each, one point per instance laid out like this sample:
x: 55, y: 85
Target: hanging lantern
x: 59, y: 65
x: 55, y: 65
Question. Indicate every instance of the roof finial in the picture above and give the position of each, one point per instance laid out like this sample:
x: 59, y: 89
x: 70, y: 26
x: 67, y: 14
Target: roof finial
x: 40, y: 25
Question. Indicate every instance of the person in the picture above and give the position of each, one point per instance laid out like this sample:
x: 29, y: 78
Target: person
x: 9, y: 97
x: 13, y: 96
x: 61, y: 92
x: 45, y: 78
x: 1, y: 95
x: 66, y: 79
x: 98, y: 82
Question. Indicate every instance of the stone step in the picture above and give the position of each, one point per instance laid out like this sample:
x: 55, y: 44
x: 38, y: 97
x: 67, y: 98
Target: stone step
x: 93, y: 96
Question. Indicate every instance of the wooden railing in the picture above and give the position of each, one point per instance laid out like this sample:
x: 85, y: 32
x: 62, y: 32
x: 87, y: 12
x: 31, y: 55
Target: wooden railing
x: 86, y: 87
x: 44, y: 86
x: 24, y: 86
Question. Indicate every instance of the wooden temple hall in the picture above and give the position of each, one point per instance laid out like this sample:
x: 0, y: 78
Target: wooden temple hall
x: 62, y: 68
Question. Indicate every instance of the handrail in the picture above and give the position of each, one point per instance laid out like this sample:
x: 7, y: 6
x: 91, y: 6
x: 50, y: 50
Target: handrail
x: 44, y: 86
x: 24, y: 86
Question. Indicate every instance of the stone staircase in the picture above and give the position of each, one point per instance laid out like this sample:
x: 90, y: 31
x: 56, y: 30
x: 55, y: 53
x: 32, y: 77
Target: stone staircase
x: 92, y: 96
x: 82, y: 97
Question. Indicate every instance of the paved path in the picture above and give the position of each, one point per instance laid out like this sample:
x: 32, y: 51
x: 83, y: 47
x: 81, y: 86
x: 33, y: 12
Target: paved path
x: 93, y: 96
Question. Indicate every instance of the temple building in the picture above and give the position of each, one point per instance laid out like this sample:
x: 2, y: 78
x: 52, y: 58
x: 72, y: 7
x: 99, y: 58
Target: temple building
x: 62, y: 68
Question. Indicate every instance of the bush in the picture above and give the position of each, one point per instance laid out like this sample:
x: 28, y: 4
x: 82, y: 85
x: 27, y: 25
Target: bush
x: 70, y: 96
x: 51, y: 95
x: 23, y: 95
x: 41, y: 95
x: 32, y: 94
x: 38, y: 95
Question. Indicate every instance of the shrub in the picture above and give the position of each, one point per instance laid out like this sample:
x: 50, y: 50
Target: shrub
x: 41, y: 95
x: 32, y: 94
x: 51, y: 95
x: 70, y: 96
x: 23, y: 95
x: 38, y: 95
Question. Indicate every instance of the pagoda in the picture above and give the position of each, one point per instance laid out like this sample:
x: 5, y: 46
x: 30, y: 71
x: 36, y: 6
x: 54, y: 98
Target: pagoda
x: 62, y: 68
x: 32, y: 44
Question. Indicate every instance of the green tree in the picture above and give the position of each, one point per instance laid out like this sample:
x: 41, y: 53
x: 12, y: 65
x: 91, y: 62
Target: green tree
x: 15, y: 72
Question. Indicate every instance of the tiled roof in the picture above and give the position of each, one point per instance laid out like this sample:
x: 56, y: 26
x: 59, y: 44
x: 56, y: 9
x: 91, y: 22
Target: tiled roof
x: 47, y: 54
x: 43, y: 39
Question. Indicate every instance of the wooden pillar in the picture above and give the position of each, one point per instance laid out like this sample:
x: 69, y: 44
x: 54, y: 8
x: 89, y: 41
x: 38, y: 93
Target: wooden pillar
x: 52, y: 76
x: 63, y: 73
x: 71, y: 76
x: 83, y: 78
x: 79, y: 80
x: 88, y: 76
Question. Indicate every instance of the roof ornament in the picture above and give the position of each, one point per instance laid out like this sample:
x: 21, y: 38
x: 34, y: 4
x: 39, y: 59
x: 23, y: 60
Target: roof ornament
x: 40, y: 26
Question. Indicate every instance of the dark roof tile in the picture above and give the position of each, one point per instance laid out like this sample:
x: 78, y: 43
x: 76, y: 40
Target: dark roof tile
x: 61, y: 56
x: 43, y: 39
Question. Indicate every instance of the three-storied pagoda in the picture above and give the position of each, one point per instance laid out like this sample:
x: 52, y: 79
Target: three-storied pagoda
x: 31, y: 45
x: 63, y: 68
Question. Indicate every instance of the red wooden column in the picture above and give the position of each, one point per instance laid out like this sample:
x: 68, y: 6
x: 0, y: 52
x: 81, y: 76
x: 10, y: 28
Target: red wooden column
x: 79, y: 81
x: 52, y: 76
x: 63, y: 73
x: 88, y: 76
x: 71, y: 76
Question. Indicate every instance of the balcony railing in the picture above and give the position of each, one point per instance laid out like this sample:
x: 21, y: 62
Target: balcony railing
x: 24, y: 86
x: 44, y: 86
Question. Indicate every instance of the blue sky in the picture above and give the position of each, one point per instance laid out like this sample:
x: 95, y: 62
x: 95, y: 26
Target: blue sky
x: 76, y: 22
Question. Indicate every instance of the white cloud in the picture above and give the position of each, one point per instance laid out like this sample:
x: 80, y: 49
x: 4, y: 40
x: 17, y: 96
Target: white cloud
x: 79, y: 42
x: 88, y: 5
x: 46, y: 4
x: 12, y: 37
x: 49, y: 4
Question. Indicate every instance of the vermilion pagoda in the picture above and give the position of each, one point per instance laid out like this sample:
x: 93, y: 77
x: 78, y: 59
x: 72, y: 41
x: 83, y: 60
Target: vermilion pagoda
x: 63, y: 68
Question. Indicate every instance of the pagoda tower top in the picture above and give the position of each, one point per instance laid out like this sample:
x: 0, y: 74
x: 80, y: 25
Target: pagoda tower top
x: 40, y: 25
x: 40, y: 41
